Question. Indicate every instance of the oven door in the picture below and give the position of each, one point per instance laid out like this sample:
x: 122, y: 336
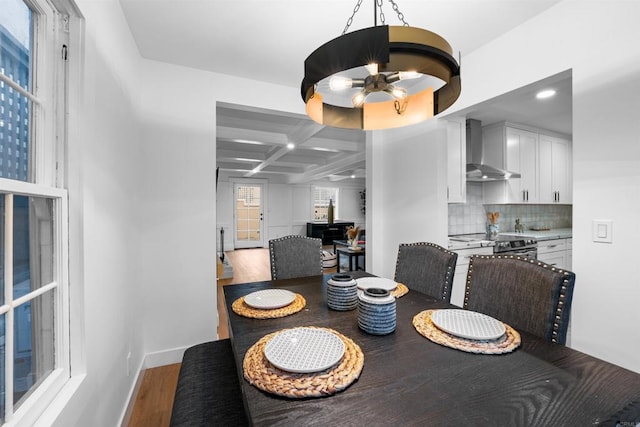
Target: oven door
x: 526, y: 253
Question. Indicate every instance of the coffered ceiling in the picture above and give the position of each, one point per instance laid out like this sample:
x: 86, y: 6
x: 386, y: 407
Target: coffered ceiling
x: 268, y: 40
x: 254, y: 143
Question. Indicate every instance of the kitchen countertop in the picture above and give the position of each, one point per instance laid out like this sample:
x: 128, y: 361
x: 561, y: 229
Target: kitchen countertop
x: 473, y: 241
x: 469, y: 241
x: 554, y: 233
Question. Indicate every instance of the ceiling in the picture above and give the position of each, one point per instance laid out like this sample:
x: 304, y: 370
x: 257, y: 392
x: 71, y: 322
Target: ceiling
x: 268, y: 40
x: 253, y: 143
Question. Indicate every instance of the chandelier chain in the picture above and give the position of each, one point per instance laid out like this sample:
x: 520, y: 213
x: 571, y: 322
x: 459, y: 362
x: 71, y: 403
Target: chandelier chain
x: 350, y: 20
x: 400, y: 14
x: 379, y: 3
x: 356, y: 8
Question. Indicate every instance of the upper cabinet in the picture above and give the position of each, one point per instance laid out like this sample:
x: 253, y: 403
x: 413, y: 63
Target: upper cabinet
x: 543, y: 161
x: 456, y: 160
x: 555, y: 170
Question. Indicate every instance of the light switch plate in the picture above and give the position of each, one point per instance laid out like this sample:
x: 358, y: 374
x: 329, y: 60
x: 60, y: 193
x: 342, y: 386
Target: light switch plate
x: 603, y: 230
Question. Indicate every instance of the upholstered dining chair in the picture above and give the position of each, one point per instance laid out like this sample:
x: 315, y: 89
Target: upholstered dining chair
x: 426, y: 267
x: 526, y: 294
x: 295, y: 256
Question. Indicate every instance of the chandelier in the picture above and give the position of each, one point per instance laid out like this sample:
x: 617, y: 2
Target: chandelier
x: 380, y: 77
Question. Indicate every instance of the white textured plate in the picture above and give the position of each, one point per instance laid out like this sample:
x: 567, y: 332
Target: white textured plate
x: 270, y: 298
x: 304, y: 350
x: 376, y: 282
x: 468, y: 324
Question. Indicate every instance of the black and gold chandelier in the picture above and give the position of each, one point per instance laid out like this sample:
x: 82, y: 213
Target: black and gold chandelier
x: 380, y: 77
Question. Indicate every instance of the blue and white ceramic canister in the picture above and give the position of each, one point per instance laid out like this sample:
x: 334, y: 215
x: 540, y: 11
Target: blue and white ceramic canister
x: 376, y: 311
x: 342, y: 292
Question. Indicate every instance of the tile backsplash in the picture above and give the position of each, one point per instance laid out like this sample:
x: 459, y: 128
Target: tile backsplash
x: 471, y: 217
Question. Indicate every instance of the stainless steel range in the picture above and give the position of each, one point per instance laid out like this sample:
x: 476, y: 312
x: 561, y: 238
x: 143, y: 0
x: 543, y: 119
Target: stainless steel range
x: 512, y: 245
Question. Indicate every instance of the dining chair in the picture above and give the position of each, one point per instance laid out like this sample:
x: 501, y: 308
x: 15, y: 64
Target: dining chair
x: 426, y: 267
x: 295, y: 256
x: 208, y: 392
x: 526, y: 294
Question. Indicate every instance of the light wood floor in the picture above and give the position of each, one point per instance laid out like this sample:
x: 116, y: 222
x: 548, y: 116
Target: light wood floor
x: 154, y: 400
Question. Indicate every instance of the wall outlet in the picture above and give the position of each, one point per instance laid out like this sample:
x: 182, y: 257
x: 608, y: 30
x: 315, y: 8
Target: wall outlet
x: 129, y: 364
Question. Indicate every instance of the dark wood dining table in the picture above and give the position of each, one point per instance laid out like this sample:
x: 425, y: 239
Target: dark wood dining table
x: 407, y: 380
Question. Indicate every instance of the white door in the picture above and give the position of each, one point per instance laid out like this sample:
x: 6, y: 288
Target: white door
x: 249, y: 215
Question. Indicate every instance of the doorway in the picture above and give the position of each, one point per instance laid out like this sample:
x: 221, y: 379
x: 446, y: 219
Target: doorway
x: 248, y: 215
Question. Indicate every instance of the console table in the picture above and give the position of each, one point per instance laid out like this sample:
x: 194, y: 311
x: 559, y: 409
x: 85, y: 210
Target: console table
x: 351, y: 254
x: 328, y: 232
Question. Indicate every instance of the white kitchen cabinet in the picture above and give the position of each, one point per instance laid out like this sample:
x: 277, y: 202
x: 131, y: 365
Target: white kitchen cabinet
x: 456, y: 160
x: 555, y: 163
x: 554, y: 253
x: 543, y: 161
x: 460, y: 275
x: 515, y: 150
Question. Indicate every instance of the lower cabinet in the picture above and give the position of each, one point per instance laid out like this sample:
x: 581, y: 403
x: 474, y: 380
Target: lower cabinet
x: 556, y: 252
x: 460, y: 275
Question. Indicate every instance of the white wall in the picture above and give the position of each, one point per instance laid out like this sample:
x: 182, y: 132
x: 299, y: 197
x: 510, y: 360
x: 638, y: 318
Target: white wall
x: 597, y: 40
x: 104, y: 220
x: 406, y: 191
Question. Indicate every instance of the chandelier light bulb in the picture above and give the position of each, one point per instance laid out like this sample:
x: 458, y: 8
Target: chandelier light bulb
x: 372, y: 68
x: 408, y: 75
x: 358, y: 99
x: 399, y: 92
x: 339, y: 83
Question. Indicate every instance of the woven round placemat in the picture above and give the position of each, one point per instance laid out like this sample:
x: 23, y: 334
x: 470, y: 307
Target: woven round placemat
x: 259, y: 372
x: 505, y: 344
x: 400, y: 290
x: 243, y: 309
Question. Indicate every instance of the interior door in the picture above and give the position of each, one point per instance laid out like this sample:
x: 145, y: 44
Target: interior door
x: 249, y: 216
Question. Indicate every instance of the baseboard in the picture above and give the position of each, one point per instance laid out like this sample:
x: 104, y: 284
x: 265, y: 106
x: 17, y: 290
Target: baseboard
x: 133, y: 394
x: 164, y: 357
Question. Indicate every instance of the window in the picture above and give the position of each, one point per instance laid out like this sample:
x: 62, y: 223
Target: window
x: 34, y: 308
x: 321, y: 197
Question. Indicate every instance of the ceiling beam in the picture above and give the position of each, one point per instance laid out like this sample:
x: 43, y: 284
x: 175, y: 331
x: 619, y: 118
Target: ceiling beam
x: 323, y: 171
x: 238, y: 134
x: 270, y: 160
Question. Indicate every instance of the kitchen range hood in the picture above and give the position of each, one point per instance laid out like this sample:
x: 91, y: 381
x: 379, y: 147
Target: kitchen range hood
x: 477, y: 171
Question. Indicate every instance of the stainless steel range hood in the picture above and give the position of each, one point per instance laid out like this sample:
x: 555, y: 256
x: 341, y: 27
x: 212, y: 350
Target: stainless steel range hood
x: 477, y: 171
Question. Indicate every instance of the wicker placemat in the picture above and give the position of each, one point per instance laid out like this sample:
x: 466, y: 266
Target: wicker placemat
x: 400, y: 290
x: 243, y: 309
x: 263, y: 375
x: 505, y: 344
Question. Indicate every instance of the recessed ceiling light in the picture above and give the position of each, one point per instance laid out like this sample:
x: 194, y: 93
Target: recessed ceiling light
x: 547, y: 93
x: 291, y: 146
x: 353, y: 176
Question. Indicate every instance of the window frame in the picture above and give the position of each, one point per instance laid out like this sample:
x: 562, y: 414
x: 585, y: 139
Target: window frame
x: 45, y: 393
x: 50, y: 96
x: 336, y: 204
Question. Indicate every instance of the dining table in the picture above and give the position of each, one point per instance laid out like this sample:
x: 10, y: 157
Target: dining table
x: 409, y: 380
